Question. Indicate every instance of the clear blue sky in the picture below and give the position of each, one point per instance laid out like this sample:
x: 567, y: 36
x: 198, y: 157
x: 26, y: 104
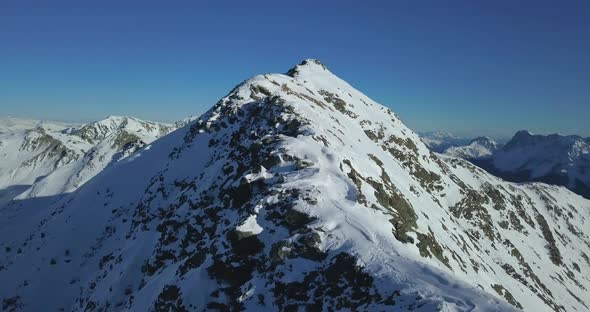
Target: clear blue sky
x: 462, y: 66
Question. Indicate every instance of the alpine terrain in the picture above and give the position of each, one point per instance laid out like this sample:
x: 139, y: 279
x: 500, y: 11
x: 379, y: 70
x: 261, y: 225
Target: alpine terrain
x: 554, y: 159
x: 42, y: 158
x: 439, y: 141
x: 296, y: 192
x: 479, y: 148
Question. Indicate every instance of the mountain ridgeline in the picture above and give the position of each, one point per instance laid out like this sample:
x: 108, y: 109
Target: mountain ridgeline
x: 296, y: 191
x: 439, y: 141
x: 479, y: 148
x: 554, y: 159
x: 41, y: 158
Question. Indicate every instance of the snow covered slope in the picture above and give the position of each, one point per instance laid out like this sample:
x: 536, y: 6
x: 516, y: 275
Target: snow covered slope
x: 41, y: 158
x: 481, y: 147
x: 296, y: 191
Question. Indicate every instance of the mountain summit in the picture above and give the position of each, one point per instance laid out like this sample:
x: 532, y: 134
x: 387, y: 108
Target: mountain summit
x: 297, y: 192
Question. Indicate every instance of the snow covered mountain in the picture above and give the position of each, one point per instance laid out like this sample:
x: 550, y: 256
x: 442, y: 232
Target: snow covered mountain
x: 479, y: 148
x: 439, y: 141
x: 186, y: 121
x: 42, y: 158
x: 296, y: 192
x: 554, y: 159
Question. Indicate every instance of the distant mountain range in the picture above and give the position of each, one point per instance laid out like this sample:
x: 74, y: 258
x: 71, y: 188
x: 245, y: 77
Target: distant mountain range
x: 439, y: 141
x: 479, y: 148
x: 45, y: 158
x: 294, y: 192
x: 554, y: 159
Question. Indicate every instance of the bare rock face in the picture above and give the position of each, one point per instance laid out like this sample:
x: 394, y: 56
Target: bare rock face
x: 297, y: 192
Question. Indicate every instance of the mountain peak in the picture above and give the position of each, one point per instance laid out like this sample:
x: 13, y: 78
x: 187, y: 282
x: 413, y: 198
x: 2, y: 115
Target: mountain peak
x: 116, y: 117
x: 478, y: 148
x: 482, y: 139
x: 99, y: 130
x: 308, y: 84
x: 522, y: 133
x: 311, y: 61
x: 307, y: 65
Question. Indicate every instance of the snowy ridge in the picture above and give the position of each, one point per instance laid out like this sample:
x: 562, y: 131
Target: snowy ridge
x: 186, y: 121
x: 297, y: 191
x: 553, y: 159
x: 102, y: 129
x: 42, y: 158
x: 482, y: 147
x: 563, y: 160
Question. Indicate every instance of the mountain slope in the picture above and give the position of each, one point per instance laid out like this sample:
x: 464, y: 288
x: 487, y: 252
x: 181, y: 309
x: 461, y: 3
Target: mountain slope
x: 39, y: 158
x: 297, y: 191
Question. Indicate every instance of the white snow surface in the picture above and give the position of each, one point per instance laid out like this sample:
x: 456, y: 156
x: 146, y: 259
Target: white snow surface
x: 474, y: 243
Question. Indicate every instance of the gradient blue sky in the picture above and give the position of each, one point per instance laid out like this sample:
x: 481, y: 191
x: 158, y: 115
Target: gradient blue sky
x: 464, y: 66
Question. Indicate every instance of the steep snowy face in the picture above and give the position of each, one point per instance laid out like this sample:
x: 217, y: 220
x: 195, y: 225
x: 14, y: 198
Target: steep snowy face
x: 555, y: 159
x: 297, y: 191
x: 39, y: 158
x: 482, y: 147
